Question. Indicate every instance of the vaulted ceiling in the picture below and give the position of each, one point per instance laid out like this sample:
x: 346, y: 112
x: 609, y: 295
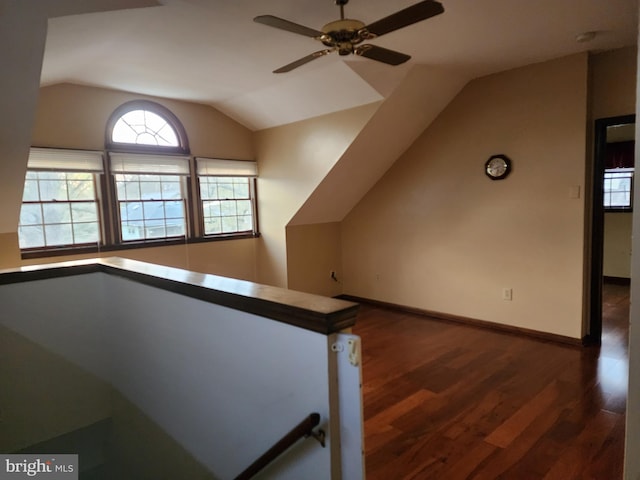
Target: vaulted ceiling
x: 211, y: 52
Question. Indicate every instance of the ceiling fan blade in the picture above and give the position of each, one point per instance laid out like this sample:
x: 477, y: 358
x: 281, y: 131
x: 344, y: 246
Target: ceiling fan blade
x: 303, y: 60
x: 283, y: 24
x: 380, y: 54
x: 408, y: 16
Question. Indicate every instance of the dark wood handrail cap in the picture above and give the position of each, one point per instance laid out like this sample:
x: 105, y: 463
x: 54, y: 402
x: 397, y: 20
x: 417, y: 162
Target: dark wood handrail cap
x: 312, y: 312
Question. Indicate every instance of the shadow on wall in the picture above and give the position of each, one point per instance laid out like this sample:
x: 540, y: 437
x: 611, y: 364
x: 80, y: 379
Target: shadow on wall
x: 54, y: 406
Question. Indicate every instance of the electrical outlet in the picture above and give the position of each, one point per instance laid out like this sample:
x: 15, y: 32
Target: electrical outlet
x: 507, y: 294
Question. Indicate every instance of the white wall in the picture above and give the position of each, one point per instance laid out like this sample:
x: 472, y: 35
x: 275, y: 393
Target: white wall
x: 222, y: 383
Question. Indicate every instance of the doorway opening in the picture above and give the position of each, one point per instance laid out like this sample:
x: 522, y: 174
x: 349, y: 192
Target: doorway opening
x: 610, y: 134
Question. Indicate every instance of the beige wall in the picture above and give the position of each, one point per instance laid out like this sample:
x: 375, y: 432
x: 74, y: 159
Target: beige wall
x: 72, y: 116
x: 617, y: 245
x: 24, y: 28
x: 229, y: 258
x: 435, y: 233
x: 292, y: 161
x: 613, y: 83
x: 9, y: 250
x: 313, y: 251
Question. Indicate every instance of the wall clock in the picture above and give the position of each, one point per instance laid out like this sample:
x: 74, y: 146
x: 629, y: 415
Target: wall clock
x: 497, y: 167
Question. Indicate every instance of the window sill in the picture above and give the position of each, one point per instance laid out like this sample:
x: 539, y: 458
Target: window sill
x: 93, y: 249
x: 618, y: 210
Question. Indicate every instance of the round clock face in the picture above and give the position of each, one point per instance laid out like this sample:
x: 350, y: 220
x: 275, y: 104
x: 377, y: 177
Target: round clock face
x: 497, y: 167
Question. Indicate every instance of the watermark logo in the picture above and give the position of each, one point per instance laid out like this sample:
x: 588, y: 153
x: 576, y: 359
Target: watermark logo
x: 49, y: 467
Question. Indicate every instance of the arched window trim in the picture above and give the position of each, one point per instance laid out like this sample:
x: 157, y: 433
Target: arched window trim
x: 156, y: 108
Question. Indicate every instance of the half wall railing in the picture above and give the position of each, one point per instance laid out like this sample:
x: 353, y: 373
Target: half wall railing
x: 186, y: 375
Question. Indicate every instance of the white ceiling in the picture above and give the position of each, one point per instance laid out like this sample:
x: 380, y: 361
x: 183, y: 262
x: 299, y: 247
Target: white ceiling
x: 210, y: 51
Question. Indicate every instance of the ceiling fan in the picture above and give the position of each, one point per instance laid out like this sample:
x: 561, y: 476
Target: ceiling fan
x: 346, y: 35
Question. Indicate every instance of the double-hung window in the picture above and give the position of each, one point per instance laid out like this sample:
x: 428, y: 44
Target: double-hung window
x: 618, y: 176
x: 618, y: 189
x: 227, y: 196
x: 151, y: 195
x: 60, y: 203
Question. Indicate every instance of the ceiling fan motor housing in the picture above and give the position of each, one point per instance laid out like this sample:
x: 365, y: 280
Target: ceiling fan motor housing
x: 344, y: 34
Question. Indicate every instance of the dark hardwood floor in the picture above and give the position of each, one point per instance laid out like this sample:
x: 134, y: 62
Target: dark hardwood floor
x: 445, y: 401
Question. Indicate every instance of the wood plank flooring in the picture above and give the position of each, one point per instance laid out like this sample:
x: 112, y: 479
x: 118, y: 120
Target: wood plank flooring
x: 447, y: 402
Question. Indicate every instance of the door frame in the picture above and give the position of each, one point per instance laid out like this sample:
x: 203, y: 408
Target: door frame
x: 594, y: 333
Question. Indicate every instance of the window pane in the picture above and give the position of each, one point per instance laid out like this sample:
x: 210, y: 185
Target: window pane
x: 132, y: 231
x: 244, y: 207
x: 229, y: 224
x: 53, y: 190
x: 31, y: 237
x: 131, y: 211
x: 211, y: 209
x: 156, y: 231
x: 175, y: 229
x: 228, y: 208
x: 241, y: 190
x: 58, y: 234
x: 171, y: 190
x: 155, y: 178
x: 51, y: 175
x: 80, y: 189
x: 167, y: 137
x: 150, y: 190
x: 86, y: 232
x: 84, y: 212
x: 132, y: 191
x: 620, y: 199
x: 212, y: 226
x: 153, y: 210
x: 56, y: 213
x: 244, y: 223
x: 174, y: 210
x: 225, y: 190
x: 30, y: 193
x: 31, y: 214
x: 212, y: 191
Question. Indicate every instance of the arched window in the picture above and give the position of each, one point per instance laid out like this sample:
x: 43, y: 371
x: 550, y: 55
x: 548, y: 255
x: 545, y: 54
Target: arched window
x: 142, y: 125
x: 149, y: 162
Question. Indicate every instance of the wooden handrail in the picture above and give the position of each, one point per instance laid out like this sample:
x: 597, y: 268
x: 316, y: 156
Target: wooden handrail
x: 303, y: 429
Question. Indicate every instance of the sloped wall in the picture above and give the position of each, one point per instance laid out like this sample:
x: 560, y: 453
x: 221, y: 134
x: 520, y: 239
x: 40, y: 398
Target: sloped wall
x: 292, y: 161
x: 436, y: 234
x: 313, y: 234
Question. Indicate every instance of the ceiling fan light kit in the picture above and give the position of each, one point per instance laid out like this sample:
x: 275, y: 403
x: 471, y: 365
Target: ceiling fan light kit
x: 346, y: 35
